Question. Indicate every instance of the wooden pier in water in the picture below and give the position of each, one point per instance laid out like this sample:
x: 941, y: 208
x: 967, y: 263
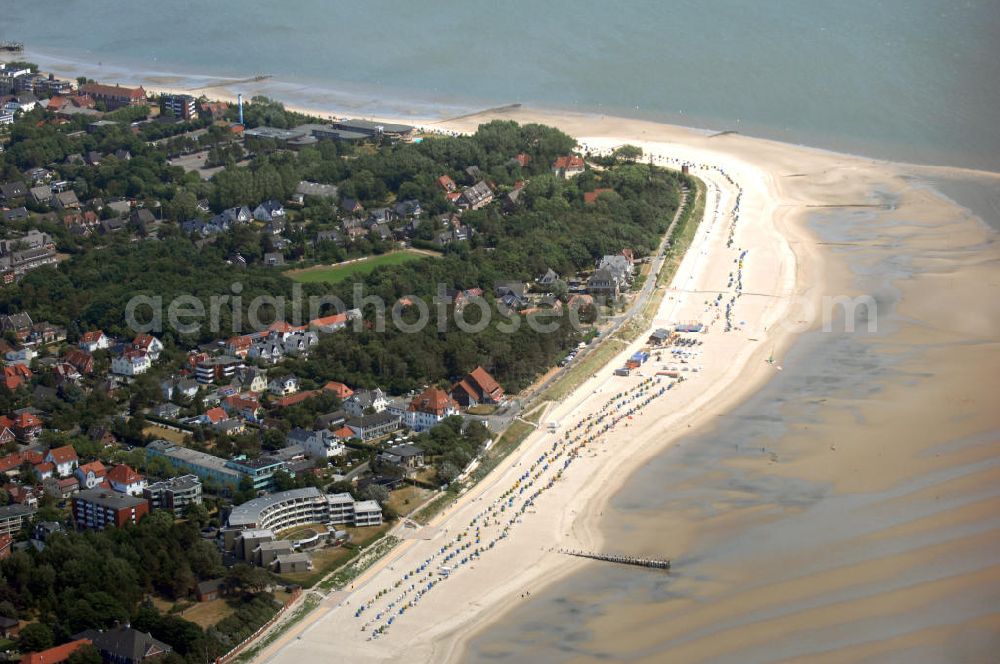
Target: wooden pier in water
x: 651, y: 563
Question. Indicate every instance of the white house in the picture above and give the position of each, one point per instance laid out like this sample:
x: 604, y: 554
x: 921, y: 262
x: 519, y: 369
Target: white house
x: 283, y: 386
x: 319, y: 444
x: 94, y: 340
x: 90, y: 475
x: 149, y: 345
x: 362, y: 400
x: 64, y: 459
x: 125, y: 480
x: 131, y: 363
x: 428, y: 408
x: 270, y: 210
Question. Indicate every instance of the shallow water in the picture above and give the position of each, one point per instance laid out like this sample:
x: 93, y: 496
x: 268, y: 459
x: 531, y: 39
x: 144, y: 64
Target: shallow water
x: 780, y: 561
x: 908, y: 80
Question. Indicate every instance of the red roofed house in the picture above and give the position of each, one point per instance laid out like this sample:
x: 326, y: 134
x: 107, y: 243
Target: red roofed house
x: 213, y: 416
x: 567, y: 166
x: 114, y: 96
x: 239, y: 346
x: 342, y: 391
x: 149, y: 345
x: 428, y: 408
x: 6, y: 436
x: 16, y: 375
x: 64, y: 458
x: 27, y: 427
x: 54, y: 655
x: 447, y: 184
x: 590, y: 197
x: 80, y: 359
x: 93, y: 340
x: 476, y: 388
x: 125, y: 480
x: 243, y: 405
x: 45, y: 470
x: 523, y: 159
x: 91, y: 474
x: 6, y: 545
x: 329, y: 323
x: 292, y: 399
x: 344, y: 433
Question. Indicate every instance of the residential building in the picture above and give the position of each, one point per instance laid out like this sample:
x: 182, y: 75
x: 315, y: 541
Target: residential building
x: 91, y: 475
x: 283, y: 386
x: 56, y: 654
x: 102, y: 508
x: 149, y: 345
x: 428, y: 408
x: 180, y: 106
x: 285, y: 509
x: 363, y: 401
x: 63, y: 458
x: 124, y: 479
x: 477, y: 196
x: 568, y: 166
x: 409, y: 457
x: 207, y: 467
x: 14, y: 516
x: 478, y: 387
x: 114, y: 96
x: 222, y: 368
x: 260, y: 471
x: 174, y: 494
x: 125, y: 645
x: 131, y: 363
x: 377, y: 425
x: 269, y: 210
x: 318, y: 444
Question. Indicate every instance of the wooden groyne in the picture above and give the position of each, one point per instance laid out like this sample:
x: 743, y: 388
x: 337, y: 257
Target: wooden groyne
x: 620, y: 559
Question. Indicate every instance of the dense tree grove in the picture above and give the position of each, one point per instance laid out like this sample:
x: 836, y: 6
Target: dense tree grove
x: 95, y: 580
x: 552, y: 228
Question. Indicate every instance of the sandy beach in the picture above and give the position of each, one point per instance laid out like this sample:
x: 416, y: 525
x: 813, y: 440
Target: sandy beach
x: 882, y: 460
x: 783, y: 274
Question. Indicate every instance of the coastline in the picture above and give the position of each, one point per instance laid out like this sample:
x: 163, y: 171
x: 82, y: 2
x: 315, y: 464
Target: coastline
x: 743, y: 373
x: 791, y: 180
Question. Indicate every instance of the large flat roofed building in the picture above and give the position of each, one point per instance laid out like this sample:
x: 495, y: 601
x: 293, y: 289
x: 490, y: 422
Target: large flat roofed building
x: 104, y: 508
x: 181, y: 106
x: 286, y: 509
x: 205, y: 466
x: 13, y: 518
x: 175, y: 494
x: 369, y: 128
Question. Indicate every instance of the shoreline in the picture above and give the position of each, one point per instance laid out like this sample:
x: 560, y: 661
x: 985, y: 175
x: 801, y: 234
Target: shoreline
x: 789, y: 220
x: 346, y: 102
x: 800, y: 278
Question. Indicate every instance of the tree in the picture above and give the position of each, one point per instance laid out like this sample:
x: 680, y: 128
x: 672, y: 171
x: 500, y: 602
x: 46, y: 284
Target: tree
x: 377, y: 493
x: 34, y: 637
x: 85, y: 654
x: 628, y: 154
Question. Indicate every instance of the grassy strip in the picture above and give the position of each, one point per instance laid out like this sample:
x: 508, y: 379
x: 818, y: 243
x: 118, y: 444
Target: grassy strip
x: 683, y: 234
x: 308, y: 604
x: 362, y: 560
x: 333, y: 274
x: 434, y: 507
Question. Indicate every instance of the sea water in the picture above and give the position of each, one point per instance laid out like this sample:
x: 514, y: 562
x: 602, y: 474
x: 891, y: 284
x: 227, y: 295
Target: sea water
x: 907, y: 80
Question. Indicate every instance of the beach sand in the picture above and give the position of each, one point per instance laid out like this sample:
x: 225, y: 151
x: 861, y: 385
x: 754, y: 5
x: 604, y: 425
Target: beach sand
x: 864, y: 530
x: 786, y: 275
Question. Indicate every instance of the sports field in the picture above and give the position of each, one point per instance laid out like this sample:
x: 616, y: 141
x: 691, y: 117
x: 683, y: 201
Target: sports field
x: 332, y: 274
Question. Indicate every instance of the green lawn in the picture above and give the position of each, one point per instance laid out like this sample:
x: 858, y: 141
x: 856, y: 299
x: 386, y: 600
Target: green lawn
x: 331, y: 274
